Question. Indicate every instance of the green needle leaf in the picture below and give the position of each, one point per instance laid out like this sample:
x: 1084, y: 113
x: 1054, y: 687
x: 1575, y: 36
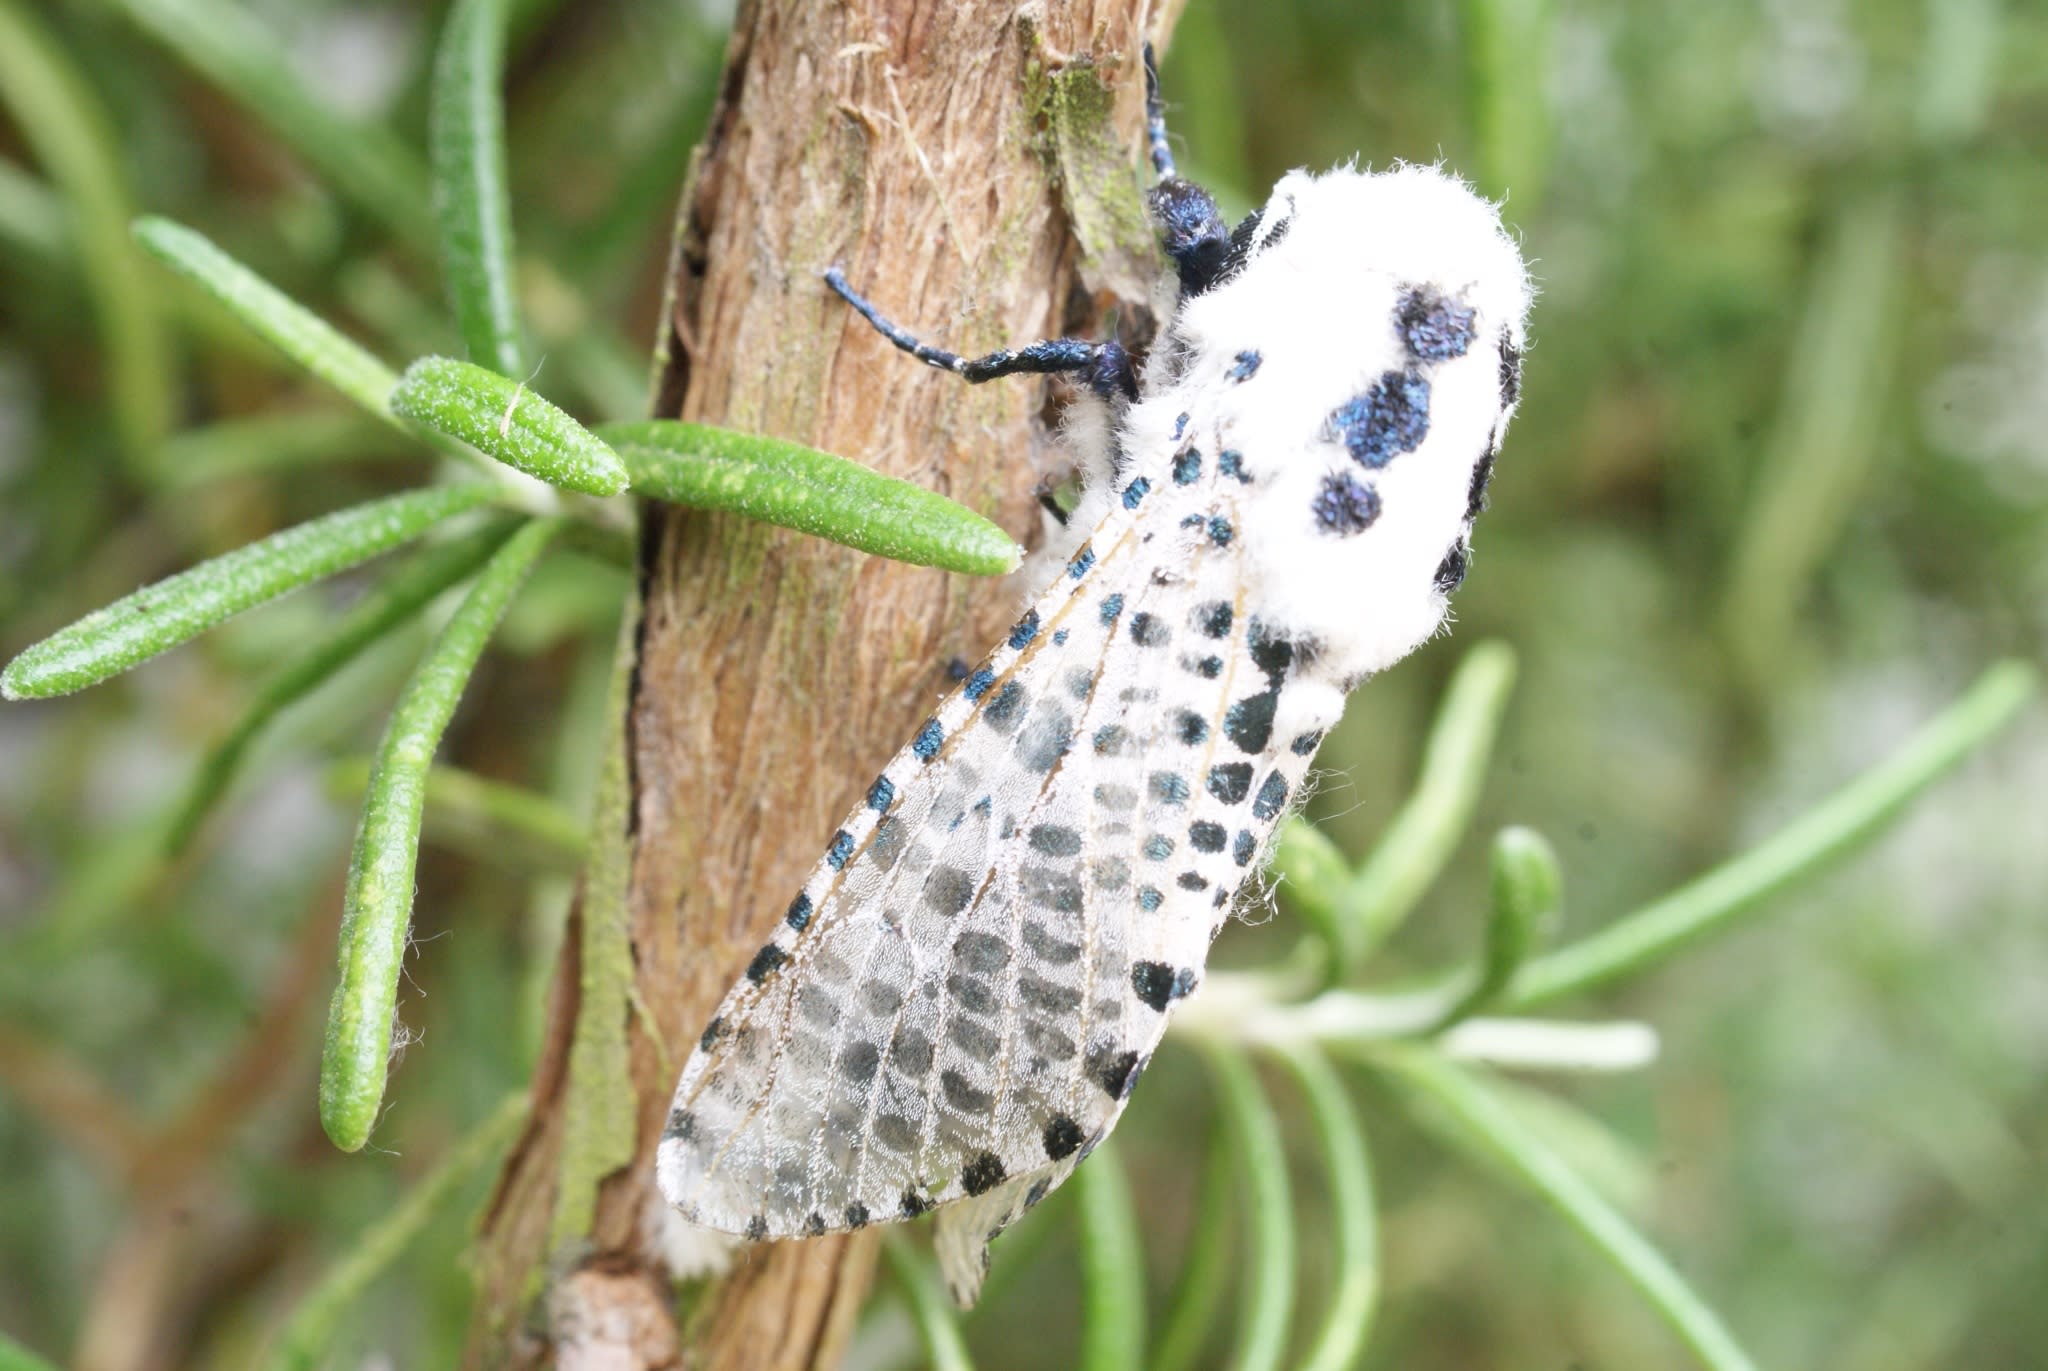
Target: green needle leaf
x: 509, y: 423
x: 226, y: 44
x: 937, y: 1323
x: 1348, y: 1323
x: 158, y: 618
x: 397, y: 599
x: 1413, y: 849
x: 813, y: 492
x: 1112, y: 1267
x: 466, y: 136
x: 526, y: 828
x: 291, y: 328
x: 15, y: 1357
x: 1269, y: 1265
x: 308, y: 1339
x: 378, y: 904
x: 1481, y: 1122
x: 1824, y: 834
x: 1528, y: 887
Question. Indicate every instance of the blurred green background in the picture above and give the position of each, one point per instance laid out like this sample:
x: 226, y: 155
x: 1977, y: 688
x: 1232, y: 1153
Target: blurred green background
x: 1775, y: 495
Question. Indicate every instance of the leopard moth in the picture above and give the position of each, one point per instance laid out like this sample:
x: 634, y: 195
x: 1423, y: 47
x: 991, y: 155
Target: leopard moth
x: 954, y: 1009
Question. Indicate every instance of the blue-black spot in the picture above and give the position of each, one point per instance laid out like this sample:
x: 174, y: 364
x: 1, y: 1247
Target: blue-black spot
x: 1307, y: 743
x: 1112, y: 605
x: 1180, y: 426
x: 765, y: 961
x: 1249, y: 722
x: 1219, y: 530
x: 1050, y: 889
x: 1272, y: 796
x: 1059, y: 637
x: 1054, y: 840
x: 982, y: 1174
x: 1433, y: 326
x: 1345, y: 505
x: 799, y: 915
x: 881, y: 794
x: 1026, y: 629
x: 1191, y: 880
x: 1002, y: 711
x: 1084, y: 559
x: 1208, y: 668
x: 857, y: 1215
x: 841, y: 849
x: 1230, y: 782
x: 1111, y: 740
x: 979, y: 682
x: 1510, y: 372
x: 1062, y: 1137
x: 1136, y: 490
x: 1040, y: 746
x: 1169, y: 787
x: 1206, y: 836
x: 681, y: 1124
x: 1158, y: 984
x: 1232, y: 464
x: 914, y: 1204
x: 1149, y: 899
x: 1115, y: 1071
x: 814, y: 1224
x: 1391, y: 417
x: 757, y: 1228
x: 1245, y: 366
x: 1148, y: 631
x: 710, y: 1035
x: 1190, y: 727
x: 1450, y: 572
x: 1213, y: 619
x: 1243, y: 846
x: 926, y: 744
x: 1187, y: 466
x: 1158, y: 847
x: 1475, y: 496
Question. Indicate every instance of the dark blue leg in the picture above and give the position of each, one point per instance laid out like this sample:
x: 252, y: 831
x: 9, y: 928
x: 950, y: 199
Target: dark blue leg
x: 1105, y: 367
x: 1155, y: 120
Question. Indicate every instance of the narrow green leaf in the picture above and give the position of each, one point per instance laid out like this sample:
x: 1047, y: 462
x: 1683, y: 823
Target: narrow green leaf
x: 282, y: 322
x: 1505, y: 95
x: 308, y: 1339
x: 1312, y: 873
x: 509, y: 423
x: 225, y: 43
x: 1269, y: 1264
x: 1348, y: 1323
x: 937, y: 1323
x: 1112, y: 1267
x: 810, y: 491
x: 528, y: 828
x: 1206, y: 1271
x: 34, y: 220
x: 1528, y: 887
x: 1483, y: 1123
x: 278, y: 441
x: 377, y: 906
x: 1412, y: 851
x: 1824, y: 834
x: 157, y: 618
x: 466, y: 139
x: 397, y: 599
x: 67, y: 127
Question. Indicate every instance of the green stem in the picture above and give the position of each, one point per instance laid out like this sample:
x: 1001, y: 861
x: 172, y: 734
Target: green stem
x: 1823, y: 835
x: 1348, y: 1324
x: 308, y: 1339
x: 1269, y: 1265
x: 1483, y: 1121
x: 1112, y: 1267
x: 1198, y: 1295
x: 377, y: 906
x: 937, y: 1323
x: 507, y: 816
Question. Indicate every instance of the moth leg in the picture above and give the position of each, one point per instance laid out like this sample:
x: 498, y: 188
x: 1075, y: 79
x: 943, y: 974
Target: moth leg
x: 1155, y: 120
x: 1104, y: 366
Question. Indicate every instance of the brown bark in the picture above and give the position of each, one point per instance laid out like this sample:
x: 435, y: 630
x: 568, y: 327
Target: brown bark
x: 776, y: 674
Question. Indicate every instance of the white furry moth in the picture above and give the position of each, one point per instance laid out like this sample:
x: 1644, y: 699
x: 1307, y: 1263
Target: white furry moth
x: 956, y: 1006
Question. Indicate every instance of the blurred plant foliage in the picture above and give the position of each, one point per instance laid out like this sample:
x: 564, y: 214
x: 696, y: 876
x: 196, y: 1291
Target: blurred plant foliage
x: 1778, y: 481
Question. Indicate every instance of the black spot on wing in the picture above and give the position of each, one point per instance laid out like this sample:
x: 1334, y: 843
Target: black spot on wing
x: 1433, y: 326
